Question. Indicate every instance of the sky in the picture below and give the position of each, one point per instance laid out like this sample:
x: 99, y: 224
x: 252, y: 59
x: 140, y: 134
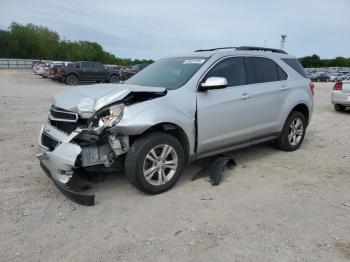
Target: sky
x: 156, y: 28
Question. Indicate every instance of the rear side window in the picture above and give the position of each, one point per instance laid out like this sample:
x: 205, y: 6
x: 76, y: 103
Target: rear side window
x: 99, y: 65
x: 281, y: 74
x: 232, y: 69
x: 87, y: 64
x: 261, y: 70
x: 295, y: 64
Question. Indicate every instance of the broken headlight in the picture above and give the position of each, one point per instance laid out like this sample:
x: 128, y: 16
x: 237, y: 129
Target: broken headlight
x: 113, y: 117
x: 109, y: 117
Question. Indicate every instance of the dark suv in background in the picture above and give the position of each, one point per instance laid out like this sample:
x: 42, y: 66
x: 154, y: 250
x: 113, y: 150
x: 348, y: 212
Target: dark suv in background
x: 88, y: 71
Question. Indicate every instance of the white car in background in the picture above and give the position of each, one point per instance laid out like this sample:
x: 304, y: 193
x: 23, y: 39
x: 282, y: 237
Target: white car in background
x: 333, y: 77
x: 38, y: 69
x: 343, y: 77
x: 341, y: 95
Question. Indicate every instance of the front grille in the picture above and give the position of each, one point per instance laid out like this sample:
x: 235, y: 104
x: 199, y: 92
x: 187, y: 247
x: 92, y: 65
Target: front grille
x: 65, y: 120
x: 67, y: 127
x: 48, y: 141
x: 63, y: 115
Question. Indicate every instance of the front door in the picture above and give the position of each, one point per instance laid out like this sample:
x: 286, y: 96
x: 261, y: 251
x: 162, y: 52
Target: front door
x: 224, y: 115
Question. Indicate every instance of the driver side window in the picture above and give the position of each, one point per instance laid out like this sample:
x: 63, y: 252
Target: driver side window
x: 232, y: 69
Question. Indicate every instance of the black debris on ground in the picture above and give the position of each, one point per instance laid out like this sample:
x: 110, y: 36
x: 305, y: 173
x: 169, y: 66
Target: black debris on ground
x: 214, y: 168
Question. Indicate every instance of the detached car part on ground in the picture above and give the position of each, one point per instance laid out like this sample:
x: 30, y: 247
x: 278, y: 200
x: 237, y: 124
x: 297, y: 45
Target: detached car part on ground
x: 177, y: 110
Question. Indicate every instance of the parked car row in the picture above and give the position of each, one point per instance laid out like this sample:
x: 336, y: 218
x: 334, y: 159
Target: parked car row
x: 72, y: 73
x: 328, y: 74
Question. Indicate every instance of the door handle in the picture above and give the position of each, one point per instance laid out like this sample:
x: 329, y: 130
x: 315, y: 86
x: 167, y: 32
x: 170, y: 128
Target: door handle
x: 284, y: 88
x: 245, y: 96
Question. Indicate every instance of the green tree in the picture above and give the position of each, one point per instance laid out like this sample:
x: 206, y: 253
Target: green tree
x: 38, y: 42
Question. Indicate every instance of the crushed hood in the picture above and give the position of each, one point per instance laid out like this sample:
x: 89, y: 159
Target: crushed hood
x: 85, y: 100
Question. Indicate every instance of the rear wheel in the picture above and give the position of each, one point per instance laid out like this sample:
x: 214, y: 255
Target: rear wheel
x: 293, y: 132
x: 72, y: 80
x: 154, y: 162
x: 114, y: 79
x: 339, y: 108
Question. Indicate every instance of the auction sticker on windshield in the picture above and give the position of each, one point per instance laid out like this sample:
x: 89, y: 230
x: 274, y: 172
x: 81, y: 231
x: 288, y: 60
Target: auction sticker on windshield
x: 194, y: 61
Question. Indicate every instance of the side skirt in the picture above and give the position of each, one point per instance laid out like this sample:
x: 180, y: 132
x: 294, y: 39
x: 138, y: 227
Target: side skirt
x: 235, y: 147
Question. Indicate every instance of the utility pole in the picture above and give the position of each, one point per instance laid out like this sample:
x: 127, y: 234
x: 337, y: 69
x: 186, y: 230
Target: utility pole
x: 283, y: 41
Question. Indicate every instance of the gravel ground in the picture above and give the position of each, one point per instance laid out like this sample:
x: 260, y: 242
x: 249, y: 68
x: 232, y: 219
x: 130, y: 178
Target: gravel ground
x: 274, y: 206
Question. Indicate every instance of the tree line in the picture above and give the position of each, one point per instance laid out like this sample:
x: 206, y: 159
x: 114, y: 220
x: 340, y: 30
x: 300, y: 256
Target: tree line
x: 38, y: 42
x: 315, y: 61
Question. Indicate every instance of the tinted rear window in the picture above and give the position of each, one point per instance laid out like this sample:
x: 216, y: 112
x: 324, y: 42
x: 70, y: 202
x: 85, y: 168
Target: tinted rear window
x: 261, y: 70
x: 295, y: 64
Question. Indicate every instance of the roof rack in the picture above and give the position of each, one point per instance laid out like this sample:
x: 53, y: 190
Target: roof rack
x: 257, y: 48
x: 246, y: 48
x: 214, y: 49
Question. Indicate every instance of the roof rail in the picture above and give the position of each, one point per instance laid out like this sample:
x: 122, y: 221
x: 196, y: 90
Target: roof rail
x: 246, y: 48
x: 256, y: 48
x: 214, y: 49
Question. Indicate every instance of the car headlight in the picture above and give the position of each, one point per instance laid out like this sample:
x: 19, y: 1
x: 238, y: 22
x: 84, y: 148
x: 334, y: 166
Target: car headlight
x: 113, y: 117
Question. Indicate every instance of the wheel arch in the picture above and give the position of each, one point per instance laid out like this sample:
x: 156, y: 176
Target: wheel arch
x: 72, y: 73
x: 304, y: 109
x: 114, y: 74
x: 171, y: 129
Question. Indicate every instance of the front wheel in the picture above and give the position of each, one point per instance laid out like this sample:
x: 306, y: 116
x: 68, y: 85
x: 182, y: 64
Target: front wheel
x: 293, y: 132
x: 339, y: 108
x: 154, y: 162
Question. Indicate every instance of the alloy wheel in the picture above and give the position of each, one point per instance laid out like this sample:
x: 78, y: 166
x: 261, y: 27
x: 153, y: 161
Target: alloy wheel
x: 160, y: 165
x: 295, y: 133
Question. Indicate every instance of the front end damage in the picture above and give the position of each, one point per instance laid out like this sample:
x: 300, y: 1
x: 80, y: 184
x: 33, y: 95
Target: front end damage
x: 69, y: 143
x: 63, y: 155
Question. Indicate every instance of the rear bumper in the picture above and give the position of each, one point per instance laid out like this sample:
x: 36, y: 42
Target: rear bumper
x: 338, y: 97
x: 59, y: 163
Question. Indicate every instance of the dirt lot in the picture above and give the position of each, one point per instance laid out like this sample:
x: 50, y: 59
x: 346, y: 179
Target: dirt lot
x: 274, y: 206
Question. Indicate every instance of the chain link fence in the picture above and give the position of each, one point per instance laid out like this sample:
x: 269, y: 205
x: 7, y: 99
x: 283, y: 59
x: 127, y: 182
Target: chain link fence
x: 7, y: 63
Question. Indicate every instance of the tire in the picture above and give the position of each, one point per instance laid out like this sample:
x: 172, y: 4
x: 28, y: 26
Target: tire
x: 114, y: 79
x: 339, y: 108
x: 72, y: 80
x: 287, y: 141
x: 139, y: 161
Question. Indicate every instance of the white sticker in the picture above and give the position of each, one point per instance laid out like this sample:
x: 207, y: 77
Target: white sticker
x: 194, y: 61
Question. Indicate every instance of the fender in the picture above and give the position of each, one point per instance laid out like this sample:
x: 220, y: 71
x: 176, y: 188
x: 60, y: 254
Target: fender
x: 139, y: 117
x: 298, y: 95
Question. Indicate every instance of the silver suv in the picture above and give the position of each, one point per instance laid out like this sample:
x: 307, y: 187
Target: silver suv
x: 175, y: 111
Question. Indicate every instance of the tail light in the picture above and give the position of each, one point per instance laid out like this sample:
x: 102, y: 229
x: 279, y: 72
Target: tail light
x: 338, y: 86
x: 312, y: 87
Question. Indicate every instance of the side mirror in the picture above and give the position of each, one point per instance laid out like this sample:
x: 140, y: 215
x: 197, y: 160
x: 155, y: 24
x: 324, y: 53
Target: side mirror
x: 213, y: 83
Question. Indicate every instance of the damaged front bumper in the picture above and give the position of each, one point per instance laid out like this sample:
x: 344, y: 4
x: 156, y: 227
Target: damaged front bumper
x: 58, y: 159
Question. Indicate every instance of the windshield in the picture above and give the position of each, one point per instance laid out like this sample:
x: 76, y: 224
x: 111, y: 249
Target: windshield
x: 170, y: 73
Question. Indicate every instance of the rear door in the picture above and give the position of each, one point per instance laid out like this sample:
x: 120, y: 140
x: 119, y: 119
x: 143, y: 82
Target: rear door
x: 224, y: 116
x: 267, y: 87
x: 100, y: 71
x: 87, y: 71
